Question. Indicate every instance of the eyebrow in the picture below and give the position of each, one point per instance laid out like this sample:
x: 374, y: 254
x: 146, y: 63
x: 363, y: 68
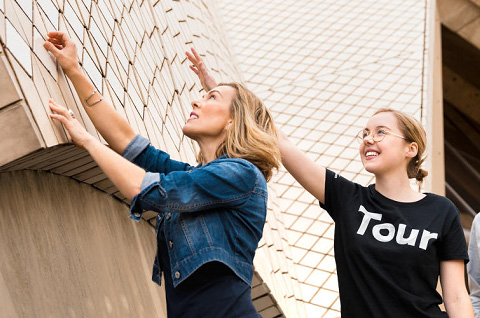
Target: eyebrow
x: 378, y: 127
x: 214, y: 90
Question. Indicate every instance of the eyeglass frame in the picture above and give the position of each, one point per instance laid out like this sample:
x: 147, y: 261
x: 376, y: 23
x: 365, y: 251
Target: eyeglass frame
x: 361, y: 139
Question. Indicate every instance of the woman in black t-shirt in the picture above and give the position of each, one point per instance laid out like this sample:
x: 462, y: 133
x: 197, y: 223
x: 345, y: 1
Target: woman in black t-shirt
x: 391, y: 242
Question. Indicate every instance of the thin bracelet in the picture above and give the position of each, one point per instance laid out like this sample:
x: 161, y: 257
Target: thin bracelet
x: 95, y: 102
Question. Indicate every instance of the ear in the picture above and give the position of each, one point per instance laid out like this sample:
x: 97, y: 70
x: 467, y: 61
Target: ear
x: 411, y: 150
x: 229, y: 124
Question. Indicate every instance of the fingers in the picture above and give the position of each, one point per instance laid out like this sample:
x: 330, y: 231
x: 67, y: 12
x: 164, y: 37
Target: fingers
x: 59, y: 36
x: 197, y: 62
x: 62, y: 113
x: 57, y: 108
x: 196, y: 54
x: 56, y: 41
x: 50, y: 47
x: 60, y: 118
x: 195, y: 58
x: 57, y: 44
x: 191, y: 58
x: 194, y: 69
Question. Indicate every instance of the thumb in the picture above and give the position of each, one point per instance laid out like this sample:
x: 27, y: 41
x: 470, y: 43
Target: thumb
x: 51, y: 48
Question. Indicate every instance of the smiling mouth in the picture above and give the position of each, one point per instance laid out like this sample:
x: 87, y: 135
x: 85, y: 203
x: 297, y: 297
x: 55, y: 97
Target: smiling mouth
x: 193, y: 116
x: 370, y: 154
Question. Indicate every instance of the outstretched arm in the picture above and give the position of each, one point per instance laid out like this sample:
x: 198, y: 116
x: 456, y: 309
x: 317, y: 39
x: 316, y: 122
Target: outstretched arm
x: 309, y: 174
x: 207, y: 81
x: 455, y: 296
x: 126, y: 176
x: 114, y: 129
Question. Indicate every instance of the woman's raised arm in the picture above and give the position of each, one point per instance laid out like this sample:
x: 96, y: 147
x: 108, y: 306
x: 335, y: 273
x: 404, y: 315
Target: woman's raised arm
x: 113, y: 127
x: 308, y: 173
x: 126, y: 176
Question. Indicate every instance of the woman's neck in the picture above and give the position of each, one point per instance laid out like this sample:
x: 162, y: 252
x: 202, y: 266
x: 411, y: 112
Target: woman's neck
x: 397, y: 188
x: 209, y: 150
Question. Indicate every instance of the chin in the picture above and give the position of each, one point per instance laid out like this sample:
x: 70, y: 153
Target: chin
x: 189, y: 133
x: 369, y: 168
x: 186, y: 131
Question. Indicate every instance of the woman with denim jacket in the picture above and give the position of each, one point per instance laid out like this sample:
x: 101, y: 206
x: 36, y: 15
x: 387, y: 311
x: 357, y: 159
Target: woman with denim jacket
x: 391, y: 242
x: 210, y: 216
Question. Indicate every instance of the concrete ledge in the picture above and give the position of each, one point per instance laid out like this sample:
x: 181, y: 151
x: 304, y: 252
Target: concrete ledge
x: 462, y: 17
x: 10, y: 90
x: 19, y: 134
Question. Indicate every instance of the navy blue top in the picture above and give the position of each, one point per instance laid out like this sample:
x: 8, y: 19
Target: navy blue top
x: 211, y: 291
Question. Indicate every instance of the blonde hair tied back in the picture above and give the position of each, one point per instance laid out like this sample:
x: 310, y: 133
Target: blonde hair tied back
x: 413, y: 131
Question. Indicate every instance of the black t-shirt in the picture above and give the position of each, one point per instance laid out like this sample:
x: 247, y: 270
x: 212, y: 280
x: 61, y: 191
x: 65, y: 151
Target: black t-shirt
x: 388, y: 253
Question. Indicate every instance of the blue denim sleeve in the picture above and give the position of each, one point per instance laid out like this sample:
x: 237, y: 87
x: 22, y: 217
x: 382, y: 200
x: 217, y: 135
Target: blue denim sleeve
x: 150, y: 179
x: 221, y: 183
x: 140, y: 152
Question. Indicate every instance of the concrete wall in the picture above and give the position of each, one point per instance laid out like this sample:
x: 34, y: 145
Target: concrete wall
x: 69, y: 250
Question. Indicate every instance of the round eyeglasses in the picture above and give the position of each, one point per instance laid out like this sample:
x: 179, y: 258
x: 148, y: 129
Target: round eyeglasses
x: 377, y: 135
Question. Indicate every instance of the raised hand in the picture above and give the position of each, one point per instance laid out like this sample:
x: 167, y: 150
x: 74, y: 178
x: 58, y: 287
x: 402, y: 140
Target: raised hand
x: 77, y: 132
x: 126, y: 176
x: 207, y: 81
x: 64, y: 50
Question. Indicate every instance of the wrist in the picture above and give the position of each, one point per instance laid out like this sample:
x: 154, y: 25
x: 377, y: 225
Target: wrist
x: 90, y: 143
x: 73, y: 71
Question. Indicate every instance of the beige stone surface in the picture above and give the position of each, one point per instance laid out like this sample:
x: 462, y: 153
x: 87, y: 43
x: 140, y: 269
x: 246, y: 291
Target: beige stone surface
x: 18, y: 133
x: 471, y: 32
x: 433, y: 120
x: 476, y: 2
x: 71, y: 251
x: 459, y: 91
x: 462, y: 17
x: 10, y: 90
x: 455, y: 14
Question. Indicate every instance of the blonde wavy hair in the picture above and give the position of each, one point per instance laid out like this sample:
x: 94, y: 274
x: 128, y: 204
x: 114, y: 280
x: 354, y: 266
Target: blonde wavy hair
x: 413, y: 131
x: 251, y: 135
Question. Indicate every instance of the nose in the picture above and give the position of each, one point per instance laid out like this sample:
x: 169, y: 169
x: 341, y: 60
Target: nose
x: 369, y: 139
x: 195, y: 104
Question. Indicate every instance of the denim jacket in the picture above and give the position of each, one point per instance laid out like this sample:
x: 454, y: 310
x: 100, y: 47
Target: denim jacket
x: 214, y: 212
